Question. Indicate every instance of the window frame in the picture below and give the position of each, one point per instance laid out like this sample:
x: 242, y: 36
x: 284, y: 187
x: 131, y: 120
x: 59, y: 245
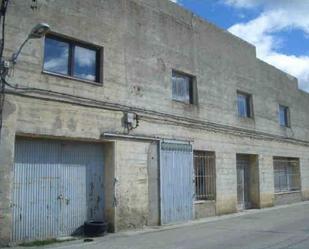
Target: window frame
x: 72, y: 43
x: 249, y: 105
x: 286, y: 166
x: 287, y: 123
x: 209, y: 190
x: 192, y: 88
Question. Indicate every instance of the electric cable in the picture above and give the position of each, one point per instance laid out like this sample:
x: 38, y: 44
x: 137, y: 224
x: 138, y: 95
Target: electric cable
x: 3, y: 70
x: 4, y: 6
x: 146, y: 115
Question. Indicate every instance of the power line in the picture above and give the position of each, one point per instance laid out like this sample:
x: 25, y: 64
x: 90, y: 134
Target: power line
x: 147, y: 115
x: 3, y: 10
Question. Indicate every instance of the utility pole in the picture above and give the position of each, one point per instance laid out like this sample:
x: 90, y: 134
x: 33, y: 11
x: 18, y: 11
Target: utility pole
x: 3, y: 64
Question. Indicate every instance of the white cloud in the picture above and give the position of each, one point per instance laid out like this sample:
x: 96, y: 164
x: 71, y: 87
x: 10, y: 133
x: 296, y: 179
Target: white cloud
x: 57, y: 63
x: 90, y: 77
x: 266, y: 3
x: 243, y: 3
x: 85, y: 57
x: 277, y: 16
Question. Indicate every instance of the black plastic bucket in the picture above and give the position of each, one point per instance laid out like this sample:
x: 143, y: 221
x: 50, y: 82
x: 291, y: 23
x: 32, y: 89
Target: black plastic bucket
x: 95, y: 228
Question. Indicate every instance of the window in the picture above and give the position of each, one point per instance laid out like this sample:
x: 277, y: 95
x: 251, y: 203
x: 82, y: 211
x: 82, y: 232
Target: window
x: 244, y: 103
x: 284, y: 116
x: 69, y: 58
x: 286, y: 174
x: 205, y: 175
x: 182, y: 87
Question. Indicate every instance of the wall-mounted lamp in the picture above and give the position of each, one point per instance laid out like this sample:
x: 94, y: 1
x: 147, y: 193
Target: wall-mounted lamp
x: 39, y: 31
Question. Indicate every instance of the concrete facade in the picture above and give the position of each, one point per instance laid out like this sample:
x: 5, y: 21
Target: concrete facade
x: 143, y: 42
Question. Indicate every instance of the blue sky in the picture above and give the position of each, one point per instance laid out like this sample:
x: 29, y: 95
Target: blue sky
x: 278, y: 28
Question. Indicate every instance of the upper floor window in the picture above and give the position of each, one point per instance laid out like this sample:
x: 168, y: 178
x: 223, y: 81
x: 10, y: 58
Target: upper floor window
x: 244, y: 104
x: 284, y: 116
x: 70, y: 58
x: 182, y: 87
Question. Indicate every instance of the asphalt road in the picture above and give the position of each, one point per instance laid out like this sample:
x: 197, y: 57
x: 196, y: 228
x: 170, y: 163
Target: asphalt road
x: 284, y: 228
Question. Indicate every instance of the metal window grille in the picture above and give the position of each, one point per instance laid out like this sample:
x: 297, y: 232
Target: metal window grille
x: 286, y: 174
x: 205, y: 175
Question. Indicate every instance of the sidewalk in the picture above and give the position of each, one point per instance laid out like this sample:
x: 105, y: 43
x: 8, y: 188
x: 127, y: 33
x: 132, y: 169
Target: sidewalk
x: 215, y: 231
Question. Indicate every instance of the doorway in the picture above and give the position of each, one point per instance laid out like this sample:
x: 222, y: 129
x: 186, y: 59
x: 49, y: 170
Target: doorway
x: 58, y: 185
x: 247, y: 181
x: 176, y: 176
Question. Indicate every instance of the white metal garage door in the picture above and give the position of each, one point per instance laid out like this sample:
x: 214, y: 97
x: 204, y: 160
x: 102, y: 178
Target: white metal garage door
x: 176, y: 175
x: 57, y: 187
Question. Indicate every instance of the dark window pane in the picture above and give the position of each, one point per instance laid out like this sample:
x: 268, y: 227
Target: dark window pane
x: 283, y: 115
x: 85, y: 63
x: 242, y: 105
x: 248, y: 105
x: 181, y: 87
x: 56, y: 56
x: 282, y: 121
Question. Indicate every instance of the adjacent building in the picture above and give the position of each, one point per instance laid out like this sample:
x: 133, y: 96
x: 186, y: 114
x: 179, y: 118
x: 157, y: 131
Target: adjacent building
x: 141, y: 113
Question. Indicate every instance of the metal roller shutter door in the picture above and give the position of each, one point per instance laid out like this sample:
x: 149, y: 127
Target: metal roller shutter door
x: 177, y: 189
x: 57, y: 186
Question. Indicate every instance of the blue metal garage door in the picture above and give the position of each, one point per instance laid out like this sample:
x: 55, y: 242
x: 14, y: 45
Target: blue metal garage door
x: 57, y: 187
x: 176, y: 174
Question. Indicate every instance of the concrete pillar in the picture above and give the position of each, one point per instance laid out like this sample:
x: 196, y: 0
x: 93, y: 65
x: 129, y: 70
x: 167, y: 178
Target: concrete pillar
x: 109, y: 190
x: 226, y: 183
x: 304, y: 174
x: 267, y: 189
x: 6, y: 169
x: 132, y: 184
x: 153, y: 185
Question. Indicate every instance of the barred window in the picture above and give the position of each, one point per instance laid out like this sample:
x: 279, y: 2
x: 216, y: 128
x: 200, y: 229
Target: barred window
x: 286, y: 174
x: 182, y: 87
x: 205, y: 175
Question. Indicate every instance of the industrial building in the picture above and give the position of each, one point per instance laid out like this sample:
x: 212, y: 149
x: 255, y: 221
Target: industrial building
x: 142, y: 114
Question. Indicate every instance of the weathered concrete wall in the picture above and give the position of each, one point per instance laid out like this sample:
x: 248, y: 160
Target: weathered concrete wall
x: 154, y: 184
x: 267, y: 186
x: 287, y: 198
x: 6, y: 165
x: 204, y: 209
x: 109, y: 184
x: 143, y: 41
x: 132, y: 184
x: 226, y: 181
x: 38, y: 117
x: 24, y: 116
x: 304, y: 175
